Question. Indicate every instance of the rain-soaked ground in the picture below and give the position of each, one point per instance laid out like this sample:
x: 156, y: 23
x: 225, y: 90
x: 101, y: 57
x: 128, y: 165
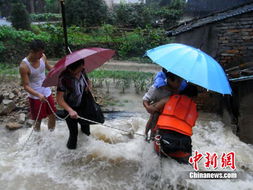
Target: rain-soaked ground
x: 109, y: 159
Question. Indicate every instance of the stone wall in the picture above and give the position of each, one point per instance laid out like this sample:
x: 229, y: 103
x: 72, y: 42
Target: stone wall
x: 235, y: 40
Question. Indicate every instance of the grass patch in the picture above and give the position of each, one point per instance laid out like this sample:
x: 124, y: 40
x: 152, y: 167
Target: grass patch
x: 8, y: 69
x: 137, y: 59
x: 132, y: 75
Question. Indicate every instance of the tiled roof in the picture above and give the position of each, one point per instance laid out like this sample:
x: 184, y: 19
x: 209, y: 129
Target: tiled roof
x: 210, y: 19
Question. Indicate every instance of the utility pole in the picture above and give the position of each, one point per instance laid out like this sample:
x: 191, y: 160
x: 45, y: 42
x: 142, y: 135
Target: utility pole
x: 67, y: 50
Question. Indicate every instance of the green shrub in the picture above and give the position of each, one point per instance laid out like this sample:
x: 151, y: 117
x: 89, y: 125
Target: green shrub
x: 19, y: 16
x: 86, y: 13
x: 2, y: 48
x: 45, y: 17
x: 14, y: 43
x: 136, y: 43
x: 7, y: 69
x: 108, y: 31
x: 52, y: 6
x: 132, y: 15
x: 54, y: 34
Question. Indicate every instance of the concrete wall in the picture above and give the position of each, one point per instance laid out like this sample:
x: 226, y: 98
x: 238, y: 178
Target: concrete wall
x: 245, y: 109
x: 238, y: 110
x: 204, y: 38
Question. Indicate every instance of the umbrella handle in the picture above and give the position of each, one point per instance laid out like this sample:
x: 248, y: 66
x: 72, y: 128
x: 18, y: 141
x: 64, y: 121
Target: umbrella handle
x: 69, y: 49
x: 86, y: 83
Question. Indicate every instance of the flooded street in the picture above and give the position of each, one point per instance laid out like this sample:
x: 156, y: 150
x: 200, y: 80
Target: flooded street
x: 109, y: 159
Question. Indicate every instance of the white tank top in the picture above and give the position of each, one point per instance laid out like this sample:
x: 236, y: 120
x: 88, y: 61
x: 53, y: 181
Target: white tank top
x: 36, y: 79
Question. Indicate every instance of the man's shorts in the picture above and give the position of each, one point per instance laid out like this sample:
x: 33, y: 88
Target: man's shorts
x: 45, y: 109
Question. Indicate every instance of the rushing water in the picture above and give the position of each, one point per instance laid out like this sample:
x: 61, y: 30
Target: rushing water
x: 109, y: 159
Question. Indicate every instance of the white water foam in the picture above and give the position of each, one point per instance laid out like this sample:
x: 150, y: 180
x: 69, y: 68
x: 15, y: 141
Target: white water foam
x: 110, y: 159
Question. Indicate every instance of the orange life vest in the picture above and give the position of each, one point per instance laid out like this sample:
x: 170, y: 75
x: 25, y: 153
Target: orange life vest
x: 179, y: 114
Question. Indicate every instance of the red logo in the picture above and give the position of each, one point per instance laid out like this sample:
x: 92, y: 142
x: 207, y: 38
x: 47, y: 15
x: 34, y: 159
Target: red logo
x: 195, y: 159
x: 228, y: 160
x: 211, y: 160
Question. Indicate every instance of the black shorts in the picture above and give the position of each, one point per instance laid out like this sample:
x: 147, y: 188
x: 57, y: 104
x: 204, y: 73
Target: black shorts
x: 172, y: 141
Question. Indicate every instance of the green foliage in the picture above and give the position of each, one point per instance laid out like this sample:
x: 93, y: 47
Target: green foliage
x: 177, y: 4
x: 14, y: 43
x: 137, y: 42
x: 45, y: 17
x: 170, y: 13
x: 7, y: 69
x: 77, y: 37
x: 133, y: 44
x: 120, y: 74
x: 141, y: 15
x: 86, y: 13
x: 53, y: 34
x: 164, y: 2
x: 132, y: 15
x: 52, y: 6
x: 106, y: 34
x: 19, y: 16
x: 5, y: 8
x: 1, y: 47
x: 107, y: 30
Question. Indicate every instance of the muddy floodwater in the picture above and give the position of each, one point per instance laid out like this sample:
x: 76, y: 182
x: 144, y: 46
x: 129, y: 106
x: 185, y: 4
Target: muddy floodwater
x: 110, y: 159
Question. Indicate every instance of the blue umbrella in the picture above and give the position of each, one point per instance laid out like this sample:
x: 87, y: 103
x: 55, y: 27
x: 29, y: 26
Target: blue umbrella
x: 191, y: 64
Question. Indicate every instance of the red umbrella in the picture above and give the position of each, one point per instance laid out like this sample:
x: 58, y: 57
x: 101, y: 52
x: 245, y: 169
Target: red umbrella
x: 93, y: 57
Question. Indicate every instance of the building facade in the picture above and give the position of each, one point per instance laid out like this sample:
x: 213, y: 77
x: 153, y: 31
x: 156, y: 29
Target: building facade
x: 228, y: 37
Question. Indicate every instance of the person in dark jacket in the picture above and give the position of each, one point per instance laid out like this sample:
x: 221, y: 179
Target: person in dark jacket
x: 71, y: 89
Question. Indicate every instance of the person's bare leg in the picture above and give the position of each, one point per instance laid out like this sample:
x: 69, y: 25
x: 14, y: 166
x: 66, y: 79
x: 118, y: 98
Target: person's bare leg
x: 154, y: 117
x: 51, y: 122
x: 37, y: 126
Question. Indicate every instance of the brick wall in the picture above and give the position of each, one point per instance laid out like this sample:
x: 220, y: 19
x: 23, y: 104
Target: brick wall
x: 235, y: 40
x: 208, y: 102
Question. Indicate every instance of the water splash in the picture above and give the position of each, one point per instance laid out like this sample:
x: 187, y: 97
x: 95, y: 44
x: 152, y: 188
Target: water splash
x: 109, y: 159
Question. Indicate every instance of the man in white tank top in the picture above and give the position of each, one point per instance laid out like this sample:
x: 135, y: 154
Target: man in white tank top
x: 32, y: 72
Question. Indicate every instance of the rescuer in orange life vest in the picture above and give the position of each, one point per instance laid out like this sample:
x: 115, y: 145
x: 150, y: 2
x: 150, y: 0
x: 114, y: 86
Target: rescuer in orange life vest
x: 173, y: 130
